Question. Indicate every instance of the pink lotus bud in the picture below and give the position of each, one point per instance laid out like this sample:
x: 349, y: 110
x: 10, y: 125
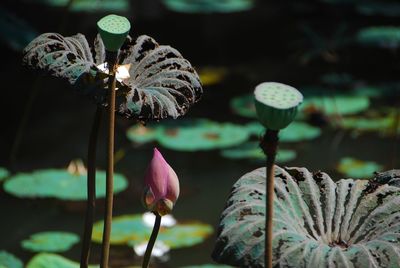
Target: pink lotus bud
x: 161, y: 186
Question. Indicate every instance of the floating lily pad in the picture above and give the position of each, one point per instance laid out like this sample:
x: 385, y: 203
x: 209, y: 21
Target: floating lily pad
x: 244, y: 106
x: 49, y: 260
x: 142, y: 134
x: 212, y: 75
x: 335, y: 105
x: 295, y: 132
x: 88, y: 5
x: 252, y: 151
x: 208, y: 6
x: 202, y: 135
x: 358, y: 169
x: 50, y: 242
x: 383, y: 36
x: 383, y: 124
x: 3, y: 173
x: 131, y: 230
x: 60, y: 184
x: 8, y: 260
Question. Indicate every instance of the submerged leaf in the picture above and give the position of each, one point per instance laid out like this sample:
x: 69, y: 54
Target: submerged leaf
x: 208, y: 6
x: 60, y: 184
x: 358, y: 169
x: 50, y: 242
x: 49, y: 260
x: 131, y: 230
x: 8, y: 260
x: 317, y: 222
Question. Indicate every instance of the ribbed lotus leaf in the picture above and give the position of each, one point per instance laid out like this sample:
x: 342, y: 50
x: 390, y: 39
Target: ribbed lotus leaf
x: 317, y: 222
x: 161, y: 82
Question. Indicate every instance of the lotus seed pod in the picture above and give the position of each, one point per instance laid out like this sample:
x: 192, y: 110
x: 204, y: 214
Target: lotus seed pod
x: 276, y: 104
x: 113, y: 30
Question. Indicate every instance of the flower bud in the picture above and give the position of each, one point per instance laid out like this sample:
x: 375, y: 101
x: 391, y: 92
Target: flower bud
x: 161, y: 186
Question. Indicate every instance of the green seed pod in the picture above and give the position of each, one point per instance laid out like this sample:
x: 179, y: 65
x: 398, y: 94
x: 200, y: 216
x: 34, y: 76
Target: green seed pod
x: 276, y: 104
x: 113, y: 29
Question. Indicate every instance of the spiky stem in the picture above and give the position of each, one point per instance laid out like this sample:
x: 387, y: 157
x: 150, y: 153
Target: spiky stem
x: 91, y: 188
x: 152, y: 241
x: 105, y: 252
x: 269, y: 145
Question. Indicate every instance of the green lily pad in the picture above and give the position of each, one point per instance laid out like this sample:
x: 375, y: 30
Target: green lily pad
x: 88, y: 5
x: 50, y: 242
x: 207, y: 266
x: 50, y: 260
x: 202, y: 135
x: 295, y: 132
x: 3, y: 173
x: 358, y: 169
x: 382, y: 36
x: 382, y: 123
x: 131, y: 230
x: 244, y: 106
x: 60, y: 184
x: 208, y: 6
x: 142, y: 134
x: 251, y: 151
x: 8, y: 260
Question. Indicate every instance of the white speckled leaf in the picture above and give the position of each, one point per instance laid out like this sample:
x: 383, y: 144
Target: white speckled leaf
x: 317, y: 222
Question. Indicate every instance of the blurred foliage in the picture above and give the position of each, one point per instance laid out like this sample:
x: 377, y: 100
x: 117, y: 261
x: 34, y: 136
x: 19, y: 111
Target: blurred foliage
x: 87, y: 5
x: 8, y: 260
x: 50, y: 260
x: 208, y: 6
x: 60, y: 184
x: 3, y: 173
x: 210, y: 76
x: 382, y: 36
x: 50, y: 242
x: 131, y: 230
x: 358, y: 169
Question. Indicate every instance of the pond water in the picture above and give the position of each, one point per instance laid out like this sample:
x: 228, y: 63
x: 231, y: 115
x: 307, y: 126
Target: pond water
x: 271, y: 42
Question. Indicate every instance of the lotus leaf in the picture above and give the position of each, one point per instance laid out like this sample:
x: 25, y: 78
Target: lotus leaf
x: 252, y: 151
x: 295, y: 132
x: 60, y: 184
x: 50, y: 260
x: 142, y: 134
x: 131, y: 230
x: 358, y: 169
x: 88, y: 5
x: 8, y: 260
x: 244, y: 106
x: 382, y: 36
x: 382, y: 124
x: 50, y: 242
x: 317, y: 222
x: 202, y: 135
x: 208, y: 6
x: 159, y: 82
x: 3, y: 173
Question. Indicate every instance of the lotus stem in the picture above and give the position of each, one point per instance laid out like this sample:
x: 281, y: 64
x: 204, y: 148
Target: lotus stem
x: 91, y: 188
x: 269, y: 145
x: 112, y: 63
x: 152, y: 241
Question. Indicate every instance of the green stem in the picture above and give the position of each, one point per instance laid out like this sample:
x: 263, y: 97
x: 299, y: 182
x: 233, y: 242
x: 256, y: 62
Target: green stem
x: 91, y: 188
x: 152, y: 241
x: 269, y: 144
x: 105, y: 252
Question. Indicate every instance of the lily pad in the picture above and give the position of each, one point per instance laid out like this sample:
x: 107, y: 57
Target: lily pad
x: 382, y: 36
x: 8, y: 260
x: 50, y: 260
x: 131, y: 230
x: 208, y: 6
x: 202, y: 135
x: 88, y: 5
x: 60, y: 184
x: 252, y: 151
x: 207, y: 266
x: 244, y: 106
x: 295, y: 132
x: 3, y: 173
x: 317, y: 222
x: 50, y: 242
x: 358, y: 169
x: 142, y: 134
x: 384, y: 124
